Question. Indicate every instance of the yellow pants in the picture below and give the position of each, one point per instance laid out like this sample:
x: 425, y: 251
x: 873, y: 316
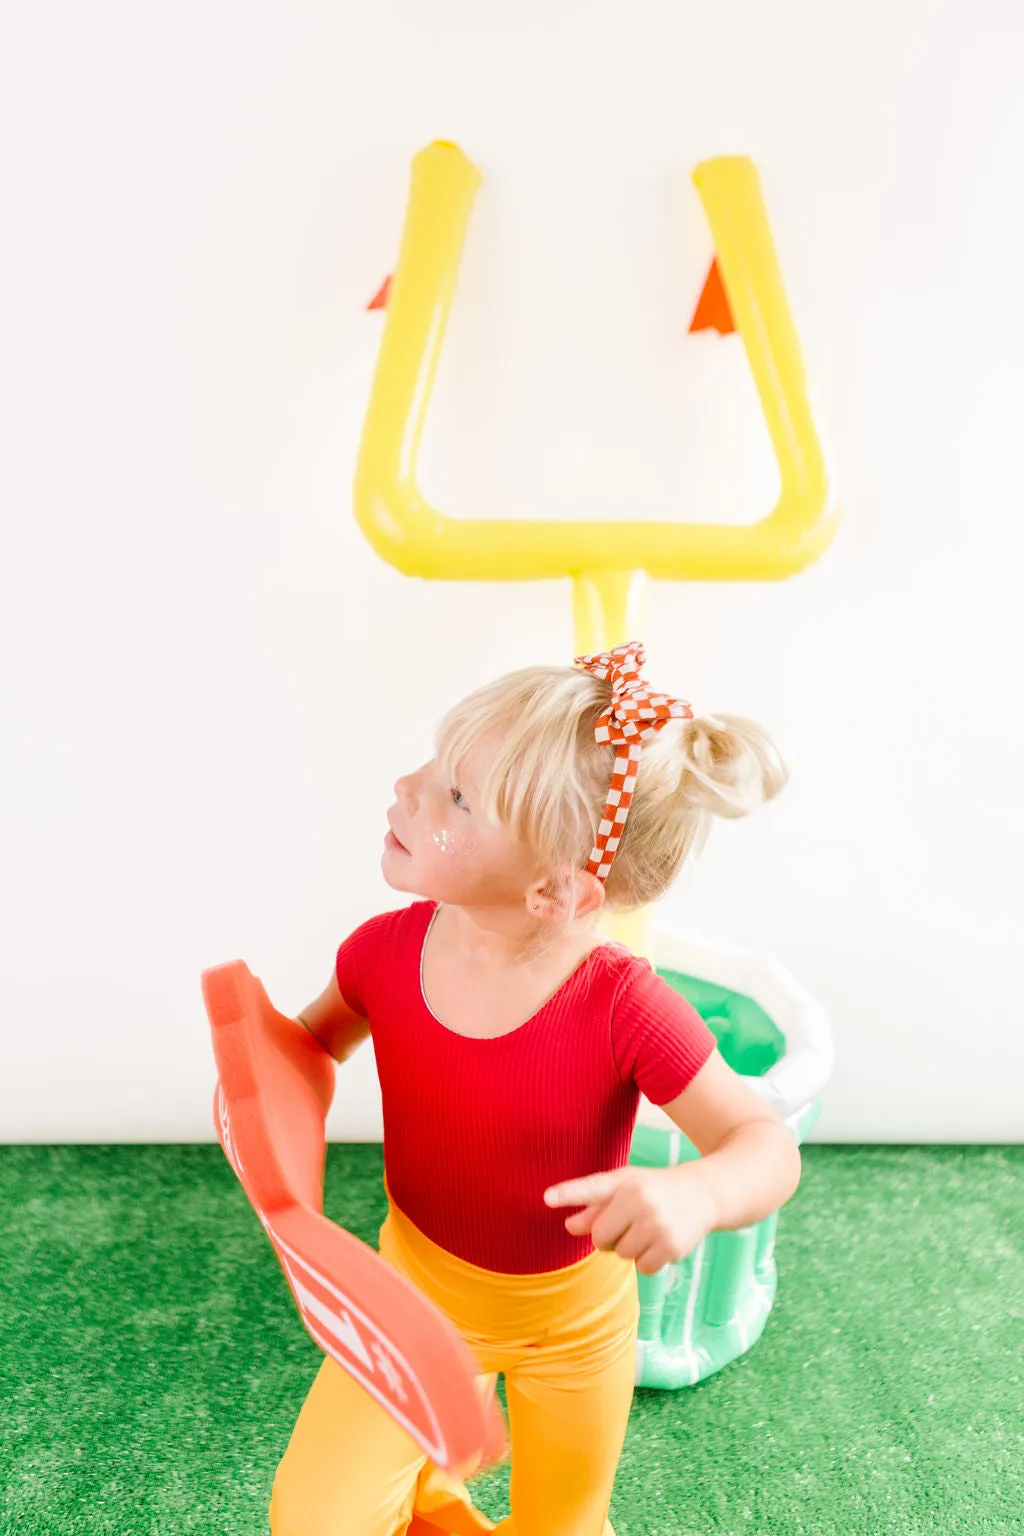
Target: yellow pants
x: 566, y: 1344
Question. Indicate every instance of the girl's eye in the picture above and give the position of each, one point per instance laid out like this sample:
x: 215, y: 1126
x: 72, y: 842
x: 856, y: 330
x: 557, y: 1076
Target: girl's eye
x: 458, y: 798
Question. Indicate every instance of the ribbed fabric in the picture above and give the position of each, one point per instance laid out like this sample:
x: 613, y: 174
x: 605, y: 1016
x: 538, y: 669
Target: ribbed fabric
x: 475, y: 1130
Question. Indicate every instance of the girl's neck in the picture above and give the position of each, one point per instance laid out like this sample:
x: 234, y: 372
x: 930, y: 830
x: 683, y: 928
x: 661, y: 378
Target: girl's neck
x: 495, y: 939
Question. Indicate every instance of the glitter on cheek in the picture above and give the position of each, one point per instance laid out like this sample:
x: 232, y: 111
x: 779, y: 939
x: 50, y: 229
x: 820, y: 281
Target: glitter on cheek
x: 444, y: 840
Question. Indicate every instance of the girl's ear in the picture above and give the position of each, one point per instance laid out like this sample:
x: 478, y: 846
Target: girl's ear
x: 589, y: 892
x: 572, y: 894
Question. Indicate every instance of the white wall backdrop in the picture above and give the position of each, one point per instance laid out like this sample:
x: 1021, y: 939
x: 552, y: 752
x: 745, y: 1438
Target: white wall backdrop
x: 197, y: 201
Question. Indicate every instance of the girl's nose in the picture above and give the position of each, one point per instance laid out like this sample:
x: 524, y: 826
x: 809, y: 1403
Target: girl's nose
x: 405, y: 791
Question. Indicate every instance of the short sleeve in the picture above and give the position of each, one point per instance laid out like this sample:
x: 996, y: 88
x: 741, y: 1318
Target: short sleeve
x: 659, y: 1040
x: 361, y: 957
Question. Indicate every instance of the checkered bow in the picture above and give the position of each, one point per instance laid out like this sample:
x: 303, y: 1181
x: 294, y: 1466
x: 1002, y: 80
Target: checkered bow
x: 634, y: 716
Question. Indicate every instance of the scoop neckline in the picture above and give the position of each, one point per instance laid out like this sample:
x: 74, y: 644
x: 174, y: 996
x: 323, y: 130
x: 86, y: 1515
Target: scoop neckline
x: 517, y: 1028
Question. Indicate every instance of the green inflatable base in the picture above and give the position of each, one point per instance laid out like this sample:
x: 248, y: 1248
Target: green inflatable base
x: 699, y: 1315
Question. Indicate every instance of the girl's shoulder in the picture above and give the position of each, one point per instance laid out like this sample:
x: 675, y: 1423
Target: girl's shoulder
x: 384, y: 948
x: 630, y: 983
x: 615, y: 969
x: 400, y: 922
x: 659, y: 1040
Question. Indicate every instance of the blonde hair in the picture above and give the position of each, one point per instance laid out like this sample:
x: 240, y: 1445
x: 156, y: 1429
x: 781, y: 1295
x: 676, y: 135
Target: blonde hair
x: 548, y: 778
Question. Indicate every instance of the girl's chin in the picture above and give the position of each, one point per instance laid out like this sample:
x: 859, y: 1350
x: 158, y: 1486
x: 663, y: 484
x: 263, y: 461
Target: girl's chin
x: 391, y: 868
x: 397, y: 869
x: 399, y: 874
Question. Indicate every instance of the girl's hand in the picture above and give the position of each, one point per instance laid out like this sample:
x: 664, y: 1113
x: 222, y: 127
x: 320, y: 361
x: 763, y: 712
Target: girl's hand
x: 653, y: 1215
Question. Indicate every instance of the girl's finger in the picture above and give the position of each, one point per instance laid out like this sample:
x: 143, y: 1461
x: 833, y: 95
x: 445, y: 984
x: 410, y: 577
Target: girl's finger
x: 598, y: 1187
x: 634, y: 1241
x: 582, y: 1221
x: 652, y: 1259
x: 612, y: 1223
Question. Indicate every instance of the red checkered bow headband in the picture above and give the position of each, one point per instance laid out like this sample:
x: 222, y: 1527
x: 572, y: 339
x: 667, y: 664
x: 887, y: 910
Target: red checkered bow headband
x: 634, y: 716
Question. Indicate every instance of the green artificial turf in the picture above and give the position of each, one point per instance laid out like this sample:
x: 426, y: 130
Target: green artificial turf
x: 151, y: 1363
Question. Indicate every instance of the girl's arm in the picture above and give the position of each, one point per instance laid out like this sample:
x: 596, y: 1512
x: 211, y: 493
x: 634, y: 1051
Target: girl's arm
x: 750, y: 1163
x: 333, y: 1024
x: 749, y: 1166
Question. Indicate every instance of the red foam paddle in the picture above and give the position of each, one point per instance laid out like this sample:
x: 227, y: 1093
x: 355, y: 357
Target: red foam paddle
x: 275, y: 1087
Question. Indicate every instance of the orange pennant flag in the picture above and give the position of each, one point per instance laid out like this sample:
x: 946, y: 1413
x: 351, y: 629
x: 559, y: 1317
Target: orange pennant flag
x: 713, y: 312
x: 380, y: 298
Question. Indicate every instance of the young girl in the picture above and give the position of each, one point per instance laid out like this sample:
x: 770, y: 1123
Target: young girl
x: 512, y: 1044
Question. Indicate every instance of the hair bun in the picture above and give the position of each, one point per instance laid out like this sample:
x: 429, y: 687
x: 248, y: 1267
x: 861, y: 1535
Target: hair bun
x: 730, y: 766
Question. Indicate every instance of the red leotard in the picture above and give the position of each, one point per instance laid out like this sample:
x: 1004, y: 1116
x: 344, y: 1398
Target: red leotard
x: 475, y: 1130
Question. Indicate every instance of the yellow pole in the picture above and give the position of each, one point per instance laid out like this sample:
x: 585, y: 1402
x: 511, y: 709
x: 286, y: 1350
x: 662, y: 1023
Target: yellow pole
x: 608, y: 609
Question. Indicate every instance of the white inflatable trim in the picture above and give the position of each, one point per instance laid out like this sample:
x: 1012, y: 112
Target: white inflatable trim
x: 794, y: 1082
